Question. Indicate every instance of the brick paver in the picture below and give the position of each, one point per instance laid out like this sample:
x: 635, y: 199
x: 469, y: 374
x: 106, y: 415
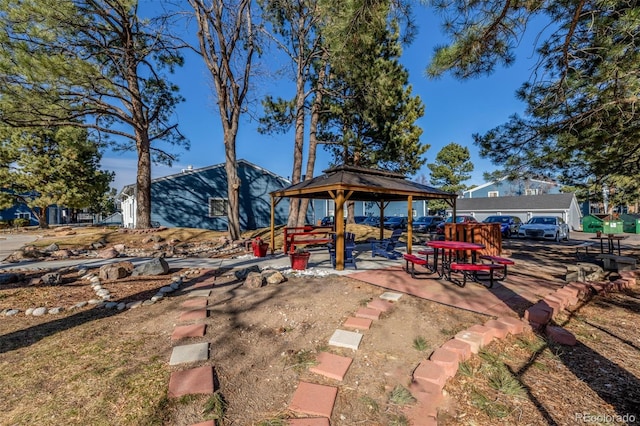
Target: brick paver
x: 462, y: 348
x: 380, y: 305
x: 431, y: 372
x: 190, y: 382
x: 199, y: 302
x: 358, y: 323
x: 309, y: 421
x: 313, y: 399
x: 372, y: 314
x: 184, y: 331
x: 193, y: 315
x: 331, y: 365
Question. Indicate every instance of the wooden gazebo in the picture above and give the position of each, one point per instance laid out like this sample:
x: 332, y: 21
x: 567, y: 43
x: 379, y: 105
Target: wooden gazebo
x: 347, y: 183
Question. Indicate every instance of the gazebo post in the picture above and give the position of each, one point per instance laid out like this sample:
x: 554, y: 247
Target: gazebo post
x: 382, y: 205
x: 409, y: 223
x: 339, y: 221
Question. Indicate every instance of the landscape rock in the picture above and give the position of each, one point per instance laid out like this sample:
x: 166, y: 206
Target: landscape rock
x: 62, y: 254
x: 53, y: 247
x: 52, y: 278
x: 272, y: 276
x: 116, y: 271
x: 157, y: 266
x: 241, y: 274
x: 584, y: 272
x: 38, y: 312
x: 97, y: 245
x: 109, y: 253
x: 254, y: 280
x: 120, y: 248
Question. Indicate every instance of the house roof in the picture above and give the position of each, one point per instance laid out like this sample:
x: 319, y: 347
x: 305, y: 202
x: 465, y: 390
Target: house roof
x: 362, y: 185
x: 500, y: 181
x: 522, y: 202
x: 129, y: 190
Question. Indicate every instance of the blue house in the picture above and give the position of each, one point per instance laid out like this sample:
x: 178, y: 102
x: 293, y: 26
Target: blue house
x: 197, y: 198
x: 55, y: 214
x: 509, y: 188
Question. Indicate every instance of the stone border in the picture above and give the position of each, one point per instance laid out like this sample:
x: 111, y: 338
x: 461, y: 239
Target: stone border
x: 430, y: 376
x: 103, y: 296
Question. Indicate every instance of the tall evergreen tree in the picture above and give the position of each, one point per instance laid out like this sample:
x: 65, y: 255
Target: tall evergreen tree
x: 451, y: 168
x: 94, y: 64
x: 581, y: 119
x: 369, y: 109
x: 50, y: 166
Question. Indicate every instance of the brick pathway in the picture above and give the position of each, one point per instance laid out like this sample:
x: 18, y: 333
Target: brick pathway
x: 314, y: 402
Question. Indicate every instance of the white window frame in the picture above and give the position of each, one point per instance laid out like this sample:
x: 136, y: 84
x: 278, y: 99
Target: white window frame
x: 493, y: 194
x: 23, y: 215
x: 216, y: 210
x: 531, y: 191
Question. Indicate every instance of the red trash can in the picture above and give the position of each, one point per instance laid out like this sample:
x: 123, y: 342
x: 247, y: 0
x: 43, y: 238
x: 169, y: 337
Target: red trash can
x: 260, y: 248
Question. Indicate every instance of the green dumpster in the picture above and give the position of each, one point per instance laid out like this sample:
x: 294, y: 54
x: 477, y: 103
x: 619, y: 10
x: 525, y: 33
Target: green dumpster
x: 637, y: 226
x: 591, y: 223
x: 612, y: 226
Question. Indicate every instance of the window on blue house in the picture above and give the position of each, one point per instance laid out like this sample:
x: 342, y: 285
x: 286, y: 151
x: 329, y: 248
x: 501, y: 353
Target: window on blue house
x: 23, y: 216
x: 217, y: 207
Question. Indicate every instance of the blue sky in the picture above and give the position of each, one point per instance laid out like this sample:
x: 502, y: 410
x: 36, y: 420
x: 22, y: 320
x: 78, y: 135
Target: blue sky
x: 454, y: 111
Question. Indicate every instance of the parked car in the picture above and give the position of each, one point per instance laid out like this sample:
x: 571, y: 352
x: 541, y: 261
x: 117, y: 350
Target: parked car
x: 549, y: 227
x: 464, y: 218
x: 360, y: 219
x: 426, y: 223
x: 327, y: 221
x: 509, y: 225
x: 396, y: 222
x: 372, y: 221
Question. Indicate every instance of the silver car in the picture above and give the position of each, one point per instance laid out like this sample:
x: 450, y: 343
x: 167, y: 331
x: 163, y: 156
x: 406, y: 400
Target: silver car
x: 548, y: 227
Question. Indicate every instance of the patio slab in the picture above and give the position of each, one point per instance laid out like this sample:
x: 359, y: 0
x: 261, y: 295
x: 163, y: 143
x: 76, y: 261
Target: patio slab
x: 331, y: 365
x: 184, y: 331
x: 501, y: 300
x: 189, y: 353
x: 345, y: 339
x: 391, y: 296
x: 199, y: 293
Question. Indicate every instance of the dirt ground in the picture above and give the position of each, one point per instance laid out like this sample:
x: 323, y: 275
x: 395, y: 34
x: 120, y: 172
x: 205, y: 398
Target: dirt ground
x: 98, y: 366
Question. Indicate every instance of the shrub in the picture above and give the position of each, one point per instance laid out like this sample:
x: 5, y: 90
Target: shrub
x: 20, y: 222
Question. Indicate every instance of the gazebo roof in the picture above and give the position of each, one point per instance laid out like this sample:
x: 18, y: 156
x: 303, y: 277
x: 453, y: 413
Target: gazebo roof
x: 363, y: 185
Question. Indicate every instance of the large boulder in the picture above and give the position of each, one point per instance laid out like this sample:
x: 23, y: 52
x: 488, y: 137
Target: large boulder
x: 273, y: 276
x: 52, y: 278
x: 584, y: 272
x: 115, y: 271
x: 157, y: 266
x: 254, y: 280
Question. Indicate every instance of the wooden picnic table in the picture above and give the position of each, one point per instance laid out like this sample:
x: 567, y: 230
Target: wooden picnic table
x: 611, y: 240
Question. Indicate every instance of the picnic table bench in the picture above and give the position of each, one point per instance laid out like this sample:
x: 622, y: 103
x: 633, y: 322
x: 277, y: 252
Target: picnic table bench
x: 470, y: 271
x: 306, y: 235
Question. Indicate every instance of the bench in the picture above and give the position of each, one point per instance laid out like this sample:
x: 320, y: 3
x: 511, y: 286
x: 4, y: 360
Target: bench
x: 500, y: 261
x: 470, y: 270
x: 413, y: 260
x: 306, y: 235
x: 584, y: 246
x: 611, y: 262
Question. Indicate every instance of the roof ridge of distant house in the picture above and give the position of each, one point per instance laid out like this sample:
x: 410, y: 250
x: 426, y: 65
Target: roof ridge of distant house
x: 494, y: 182
x: 522, y: 201
x: 205, y: 168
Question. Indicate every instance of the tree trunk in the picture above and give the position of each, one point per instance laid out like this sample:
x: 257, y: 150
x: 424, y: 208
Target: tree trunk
x: 296, y: 174
x: 42, y: 217
x: 143, y: 187
x: 233, y: 185
x: 313, y: 136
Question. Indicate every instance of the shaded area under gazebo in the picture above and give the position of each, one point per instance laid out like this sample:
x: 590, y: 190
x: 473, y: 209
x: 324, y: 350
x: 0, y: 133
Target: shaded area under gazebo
x: 348, y: 183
